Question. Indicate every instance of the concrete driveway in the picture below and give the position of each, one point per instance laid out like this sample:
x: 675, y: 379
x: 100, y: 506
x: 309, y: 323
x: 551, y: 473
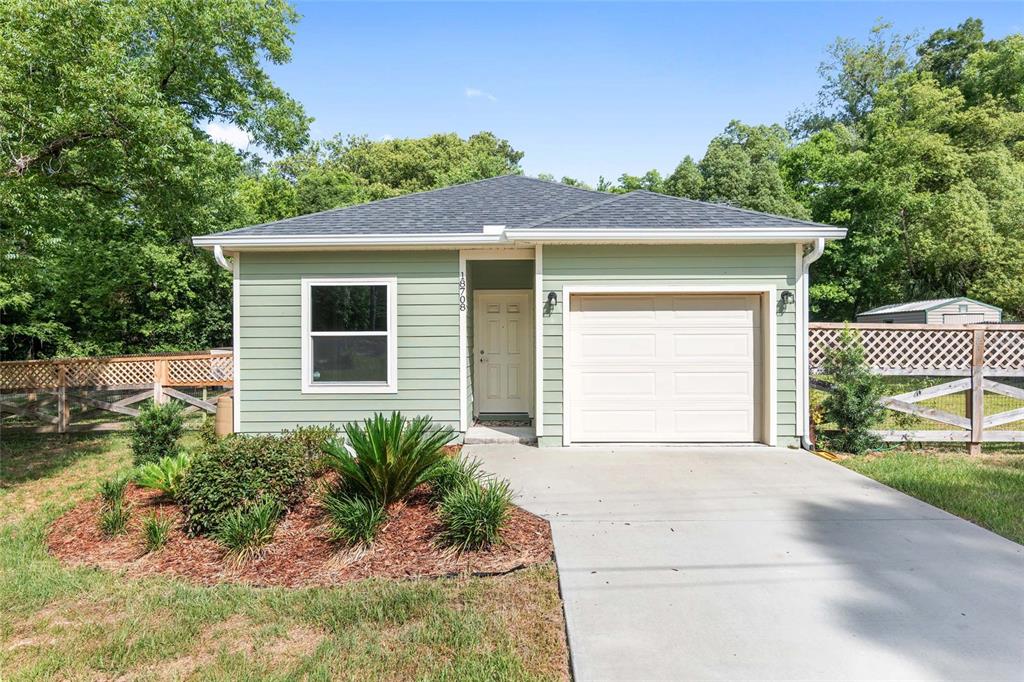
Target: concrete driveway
x: 761, y: 563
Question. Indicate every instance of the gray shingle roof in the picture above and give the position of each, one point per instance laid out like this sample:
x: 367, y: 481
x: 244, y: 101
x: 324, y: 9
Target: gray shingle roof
x: 518, y: 203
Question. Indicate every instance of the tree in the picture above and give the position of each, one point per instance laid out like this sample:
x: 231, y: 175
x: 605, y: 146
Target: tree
x: 343, y: 171
x: 930, y: 184
x: 108, y: 171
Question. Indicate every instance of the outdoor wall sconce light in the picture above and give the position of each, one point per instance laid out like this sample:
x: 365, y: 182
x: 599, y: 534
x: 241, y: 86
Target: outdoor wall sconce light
x: 552, y: 299
x: 785, y: 298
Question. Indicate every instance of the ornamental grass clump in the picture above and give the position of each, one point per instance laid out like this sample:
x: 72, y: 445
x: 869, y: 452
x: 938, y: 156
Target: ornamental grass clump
x: 385, y: 458
x: 355, y: 521
x: 155, y: 530
x: 452, y: 473
x: 112, y: 490
x: 114, y: 519
x: 473, y: 515
x: 245, y: 531
x: 156, y: 431
x: 165, y: 475
x: 853, y: 404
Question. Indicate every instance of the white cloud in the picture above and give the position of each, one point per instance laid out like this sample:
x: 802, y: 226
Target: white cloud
x: 387, y: 138
x: 228, y: 132
x: 473, y: 93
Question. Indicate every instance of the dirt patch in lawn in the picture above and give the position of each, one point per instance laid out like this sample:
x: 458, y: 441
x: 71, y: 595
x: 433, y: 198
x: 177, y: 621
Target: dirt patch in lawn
x: 301, y: 552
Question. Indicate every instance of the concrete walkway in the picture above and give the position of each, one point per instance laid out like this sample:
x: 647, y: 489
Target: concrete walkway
x: 758, y: 563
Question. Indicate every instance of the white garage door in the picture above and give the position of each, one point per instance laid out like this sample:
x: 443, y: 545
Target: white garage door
x: 664, y: 368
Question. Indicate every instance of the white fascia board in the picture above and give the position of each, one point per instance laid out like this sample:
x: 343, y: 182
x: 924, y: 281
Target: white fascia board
x: 229, y: 242
x: 678, y: 235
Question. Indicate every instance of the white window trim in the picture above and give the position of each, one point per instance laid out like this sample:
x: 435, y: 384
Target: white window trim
x: 392, y: 335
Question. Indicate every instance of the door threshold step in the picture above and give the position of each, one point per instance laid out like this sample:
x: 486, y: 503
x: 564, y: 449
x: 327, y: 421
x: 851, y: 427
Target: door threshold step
x: 480, y: 434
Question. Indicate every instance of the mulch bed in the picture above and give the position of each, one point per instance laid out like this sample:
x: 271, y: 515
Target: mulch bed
x: 301, y: 553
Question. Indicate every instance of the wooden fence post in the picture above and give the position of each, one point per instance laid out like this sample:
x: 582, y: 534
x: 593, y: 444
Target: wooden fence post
x: 63, y: 406
x: 160, y: 376
x: 977, y: 413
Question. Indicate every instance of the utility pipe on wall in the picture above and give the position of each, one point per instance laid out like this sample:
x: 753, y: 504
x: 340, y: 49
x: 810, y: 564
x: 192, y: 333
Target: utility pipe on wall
x: 805, y: 320
x: 218, y: 255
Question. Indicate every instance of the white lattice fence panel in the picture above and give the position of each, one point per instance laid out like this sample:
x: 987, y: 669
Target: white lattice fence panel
x: 1004, y: 349
x: 899, y: 349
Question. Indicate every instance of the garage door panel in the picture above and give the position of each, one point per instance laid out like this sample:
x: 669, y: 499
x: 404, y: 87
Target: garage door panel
x: 664, y: 368
x: 597, y: 384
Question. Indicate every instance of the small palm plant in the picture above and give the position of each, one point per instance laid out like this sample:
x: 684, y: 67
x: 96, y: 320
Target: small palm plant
x: 164, y: 475
x: 387, y: 457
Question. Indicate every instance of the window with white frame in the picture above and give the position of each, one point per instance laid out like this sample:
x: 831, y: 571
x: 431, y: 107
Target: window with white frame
x: 349, y: 335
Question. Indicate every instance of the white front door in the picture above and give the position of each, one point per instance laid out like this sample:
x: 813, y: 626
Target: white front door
x: 665, y: 368
x: 502, y: 352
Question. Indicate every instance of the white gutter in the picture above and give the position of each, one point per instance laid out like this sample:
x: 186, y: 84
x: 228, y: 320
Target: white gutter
x: 218, y: 255
x: 804, y: 360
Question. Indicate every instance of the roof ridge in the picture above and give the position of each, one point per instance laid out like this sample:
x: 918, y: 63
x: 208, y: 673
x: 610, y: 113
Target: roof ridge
x: 379, y: 201
x: 750, y: 211
x: 609, y: 200
x: 588, y: 190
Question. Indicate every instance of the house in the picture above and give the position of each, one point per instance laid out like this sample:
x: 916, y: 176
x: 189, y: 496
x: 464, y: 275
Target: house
x: 600, y: 317
x: 956, y: 310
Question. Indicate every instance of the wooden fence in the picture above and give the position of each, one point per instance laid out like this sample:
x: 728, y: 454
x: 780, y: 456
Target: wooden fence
x: 38, y: 395
x: 974, y: 358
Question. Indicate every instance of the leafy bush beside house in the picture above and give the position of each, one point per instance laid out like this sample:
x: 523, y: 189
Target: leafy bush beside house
x: 853, y: 403
x: 156, y: 431
x: 239, y: 471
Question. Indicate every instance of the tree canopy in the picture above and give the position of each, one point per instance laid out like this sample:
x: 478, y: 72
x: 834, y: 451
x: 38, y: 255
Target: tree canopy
x: 917, y: 147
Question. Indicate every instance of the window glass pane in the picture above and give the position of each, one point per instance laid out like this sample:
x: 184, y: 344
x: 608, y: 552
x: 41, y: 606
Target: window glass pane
x: 350, y: 358
x: 350, y: 308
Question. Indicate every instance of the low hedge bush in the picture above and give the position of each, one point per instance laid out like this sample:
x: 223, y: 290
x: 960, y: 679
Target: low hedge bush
x: 237, y: 472
x: 155, y: 432
x: 314, y: 440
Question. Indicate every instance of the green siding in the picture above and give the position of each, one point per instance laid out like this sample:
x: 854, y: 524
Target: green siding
x: 428, y: 331
x: 707, y: 264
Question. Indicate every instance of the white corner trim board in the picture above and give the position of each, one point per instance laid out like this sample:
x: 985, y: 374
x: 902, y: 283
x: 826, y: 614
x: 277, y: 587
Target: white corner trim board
x: 236, y: 344
x: 538, y: 340
x: 463, y: 291
x: 769, y: 379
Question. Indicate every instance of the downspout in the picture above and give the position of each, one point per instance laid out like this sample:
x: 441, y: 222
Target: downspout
x: 218, y: 255
x: 805, y: 320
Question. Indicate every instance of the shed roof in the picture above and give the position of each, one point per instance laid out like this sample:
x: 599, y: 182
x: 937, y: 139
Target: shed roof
x: 922, y: 306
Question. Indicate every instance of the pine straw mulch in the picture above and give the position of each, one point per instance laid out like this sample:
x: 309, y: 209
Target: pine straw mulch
x: 301, y: 553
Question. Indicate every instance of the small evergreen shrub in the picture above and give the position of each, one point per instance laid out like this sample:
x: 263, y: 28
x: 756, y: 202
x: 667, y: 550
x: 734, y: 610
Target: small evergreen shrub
x: 452, y: 473
x: 244, y: 531
x: 112, y: 490
x: 473, y: 515
x: 155, y: 530
x: 114, y: 519
x: 853, y: 403
x: 208, y: 430
x: 164, y: 475
x: 354, y: 520
x: 313, y: 440
x: 389, y: 456
x: 155, y: 432
x: 236, y: 472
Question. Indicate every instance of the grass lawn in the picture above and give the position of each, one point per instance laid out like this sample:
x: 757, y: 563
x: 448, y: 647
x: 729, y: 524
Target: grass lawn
x: 987, y: 489
x: 82, y: 623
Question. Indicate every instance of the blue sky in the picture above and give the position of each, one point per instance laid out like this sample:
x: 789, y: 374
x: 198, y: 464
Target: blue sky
x: 583, y: 89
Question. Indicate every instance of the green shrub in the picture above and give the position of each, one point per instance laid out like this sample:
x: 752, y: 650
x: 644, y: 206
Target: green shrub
x: 112, y: 490
x: 244, y: 531
x: 114, y: 519
x: 354, y: 520
x: 155, y: 530
x: 313, y: 440
x: 164, y: 475
x: 451, y: 473
x: 390, y: 456
x: 208, y: 430
x: 236, y: 472
x: 473, y: 515
x: 853, y: 403
x: 155, y: 432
